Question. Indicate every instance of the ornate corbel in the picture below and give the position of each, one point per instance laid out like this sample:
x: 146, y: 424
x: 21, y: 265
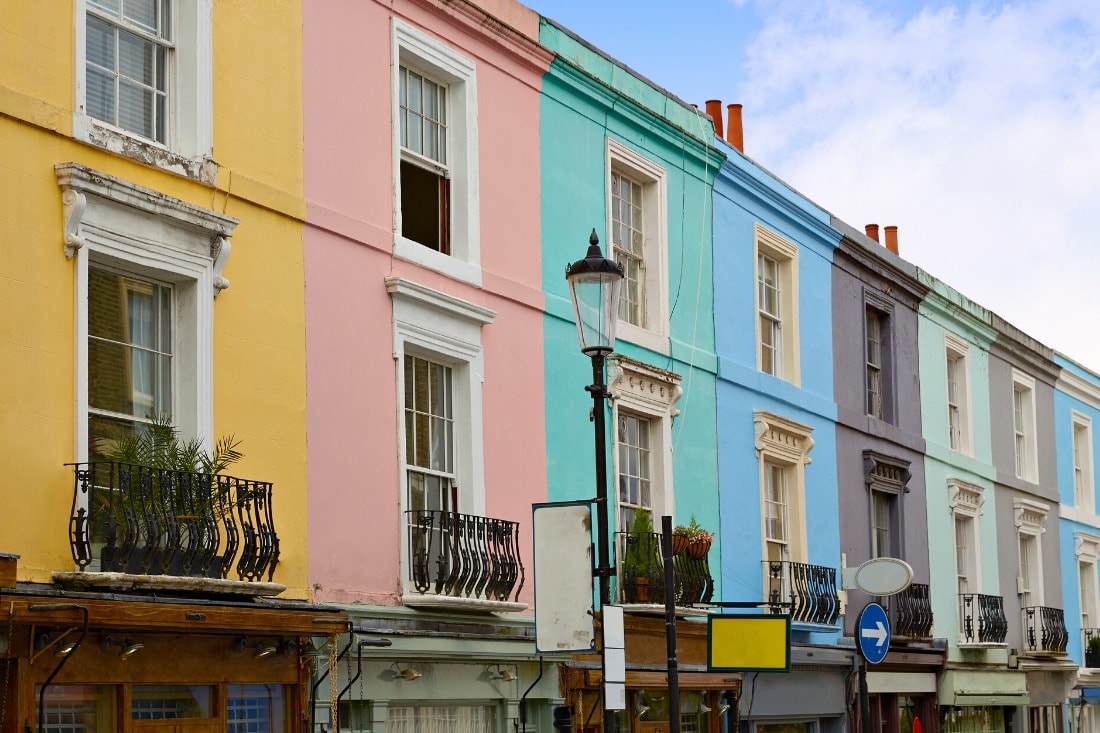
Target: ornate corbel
x: 74, y: 203
x: 219, y: 251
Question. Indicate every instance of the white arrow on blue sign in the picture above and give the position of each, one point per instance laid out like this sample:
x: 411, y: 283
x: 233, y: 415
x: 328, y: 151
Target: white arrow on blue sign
x: 873, y: 633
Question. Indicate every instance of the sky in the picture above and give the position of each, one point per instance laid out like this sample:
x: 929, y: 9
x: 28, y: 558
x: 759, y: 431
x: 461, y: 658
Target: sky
x: 971, y: 126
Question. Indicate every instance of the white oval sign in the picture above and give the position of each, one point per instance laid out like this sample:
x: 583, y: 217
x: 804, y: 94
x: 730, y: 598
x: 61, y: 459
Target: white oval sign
x: 884, y: 576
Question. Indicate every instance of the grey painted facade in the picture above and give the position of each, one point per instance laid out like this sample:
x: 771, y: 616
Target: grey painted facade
x: 880, y: 461
x: 868, y: 277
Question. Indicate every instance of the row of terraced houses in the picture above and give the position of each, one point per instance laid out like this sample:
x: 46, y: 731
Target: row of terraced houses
x: 288, y: 357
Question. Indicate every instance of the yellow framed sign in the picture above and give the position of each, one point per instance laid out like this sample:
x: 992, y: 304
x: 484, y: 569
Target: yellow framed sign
x: 749, y: 643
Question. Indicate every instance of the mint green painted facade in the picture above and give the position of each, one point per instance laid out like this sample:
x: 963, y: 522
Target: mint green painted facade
x: 944, y: 314
x: 587, y: 101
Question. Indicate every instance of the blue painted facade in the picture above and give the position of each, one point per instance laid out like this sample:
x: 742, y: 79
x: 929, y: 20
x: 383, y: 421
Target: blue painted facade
x: 1076, y: 417
x: 780, y: 429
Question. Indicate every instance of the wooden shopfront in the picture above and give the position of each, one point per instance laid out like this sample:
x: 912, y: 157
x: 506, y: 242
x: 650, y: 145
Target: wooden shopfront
x: 83, y: 662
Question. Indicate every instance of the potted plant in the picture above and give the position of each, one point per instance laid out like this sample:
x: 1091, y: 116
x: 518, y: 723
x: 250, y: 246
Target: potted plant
x: 1092, y: 652
x: 691, y: 539
x: 640, y: 557
x: 165, y: 475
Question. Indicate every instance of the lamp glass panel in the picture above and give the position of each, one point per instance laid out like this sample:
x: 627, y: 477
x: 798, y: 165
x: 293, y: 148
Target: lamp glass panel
x: 595, y: 308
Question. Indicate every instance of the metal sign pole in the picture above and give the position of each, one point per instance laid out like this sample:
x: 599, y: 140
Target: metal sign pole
x: 670, y: 626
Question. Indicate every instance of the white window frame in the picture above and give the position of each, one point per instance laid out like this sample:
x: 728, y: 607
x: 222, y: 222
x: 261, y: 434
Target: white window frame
x: 190, y: 142
x: 1025, y: 446
x: 654, y: 333
x: 1084, y: 491
x: 966, y: 502
x: 417, y: 51
x: 785, y: 254
x: 645, y: 462
x: 1087, y: 550
x: 785, y: 443
x: 651, y: 393
x: 1030, y: 520
x: 770, y: 471
x: 446, y: 330
x: 957, y: 350
x: 137, y: 230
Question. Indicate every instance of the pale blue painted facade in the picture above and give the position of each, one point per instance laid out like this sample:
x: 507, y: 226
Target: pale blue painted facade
x: 1076, y: 418
x: 786, y: 420
x: 746, y: 196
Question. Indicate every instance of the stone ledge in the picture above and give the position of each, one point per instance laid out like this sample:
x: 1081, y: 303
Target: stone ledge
x: 131, y: 582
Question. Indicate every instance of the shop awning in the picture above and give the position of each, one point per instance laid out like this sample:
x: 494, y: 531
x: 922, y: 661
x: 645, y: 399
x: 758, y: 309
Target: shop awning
x: 983, y: 687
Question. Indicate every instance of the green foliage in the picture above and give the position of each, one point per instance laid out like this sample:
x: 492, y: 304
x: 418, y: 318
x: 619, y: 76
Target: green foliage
x: 641, y: 546
x: 1094, y: 645
x: 693, y: 530
x: 158, y: 445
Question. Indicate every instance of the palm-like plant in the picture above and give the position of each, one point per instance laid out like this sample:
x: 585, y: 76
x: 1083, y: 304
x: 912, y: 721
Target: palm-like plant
x: 158, y: 444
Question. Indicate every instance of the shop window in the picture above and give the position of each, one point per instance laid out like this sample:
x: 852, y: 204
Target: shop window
x: 799, y: 726
x: 974, y: 720
x: 1045, y: 719
x: 255, y: 709
x: 170, y: 702
x: 78, y: 708
x: 463, y: 718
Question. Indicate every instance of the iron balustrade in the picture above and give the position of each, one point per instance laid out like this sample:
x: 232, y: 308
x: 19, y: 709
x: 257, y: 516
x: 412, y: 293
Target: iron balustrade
x: 982, y: 619
x: 640, y: 572
x: 154, y: 521
x: 1044, y: 629
x: 464, y: 555
x: 1092, y: 659
x: 807, y: 591
x: 912, y: 612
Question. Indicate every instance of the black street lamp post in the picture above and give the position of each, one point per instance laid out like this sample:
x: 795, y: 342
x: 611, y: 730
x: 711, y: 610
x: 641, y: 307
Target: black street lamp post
x: 594, y: 288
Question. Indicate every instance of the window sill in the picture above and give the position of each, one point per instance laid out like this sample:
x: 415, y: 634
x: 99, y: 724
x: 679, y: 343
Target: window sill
x: 451, y: 603
x: 201, y: 168
x: 453, y: 267
x: 652, y: 340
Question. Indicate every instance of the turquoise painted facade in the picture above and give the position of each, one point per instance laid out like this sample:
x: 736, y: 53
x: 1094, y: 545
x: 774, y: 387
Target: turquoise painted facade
x: 588, y: 101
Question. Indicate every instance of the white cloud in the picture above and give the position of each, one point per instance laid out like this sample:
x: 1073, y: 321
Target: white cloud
x: 974, y: 128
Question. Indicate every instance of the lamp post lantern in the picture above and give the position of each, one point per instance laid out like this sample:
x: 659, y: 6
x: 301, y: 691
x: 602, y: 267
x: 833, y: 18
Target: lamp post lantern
x: 594, y: 288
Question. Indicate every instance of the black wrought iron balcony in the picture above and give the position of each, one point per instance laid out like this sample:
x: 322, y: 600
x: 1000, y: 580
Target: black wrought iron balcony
x: 982, y: 619
x: 149, y: 521
x: 1092, y: 648
x: 464, y: 556
x: 911, y: 612
x: 1044, y: 630
x: 640, y: 571
x: 807, y: 592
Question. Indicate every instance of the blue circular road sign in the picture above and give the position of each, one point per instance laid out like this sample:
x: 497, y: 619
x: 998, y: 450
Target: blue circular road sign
x: 873, y: 633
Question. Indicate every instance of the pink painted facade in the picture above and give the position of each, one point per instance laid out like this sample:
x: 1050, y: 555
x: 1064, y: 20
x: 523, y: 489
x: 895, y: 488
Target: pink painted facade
x: 354, y: 409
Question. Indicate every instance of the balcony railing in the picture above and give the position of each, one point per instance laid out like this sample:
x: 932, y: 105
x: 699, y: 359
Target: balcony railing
x: 808, y: 592
x: 912, y: 612
x: 149, y: 521
x: 1092, y: 659
x: 982, y: 619
x: 464, y: 556
x: 1044, y: 629
x: 640, y: 572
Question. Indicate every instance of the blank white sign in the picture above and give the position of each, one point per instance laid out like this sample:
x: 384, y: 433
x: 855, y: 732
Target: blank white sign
x: 563, y: 578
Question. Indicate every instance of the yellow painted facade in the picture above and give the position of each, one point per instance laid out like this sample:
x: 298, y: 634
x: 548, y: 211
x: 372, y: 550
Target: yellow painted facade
x: 258, y: 339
